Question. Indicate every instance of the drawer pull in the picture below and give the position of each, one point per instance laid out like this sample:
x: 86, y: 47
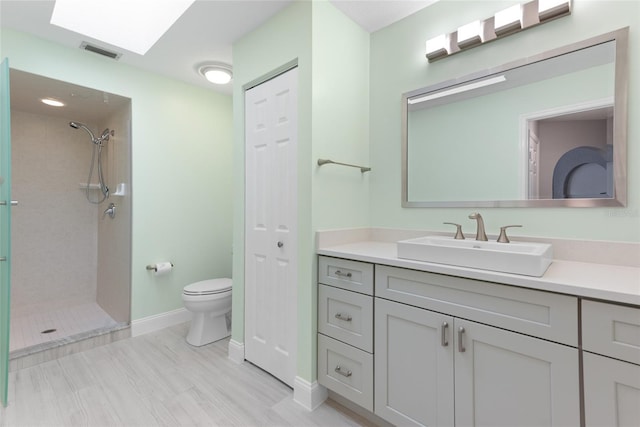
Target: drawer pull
x: 461, y: 348
x: 341, y: 274
x: 443, y: 337
x: 340, y: 316
x: 346, y: 373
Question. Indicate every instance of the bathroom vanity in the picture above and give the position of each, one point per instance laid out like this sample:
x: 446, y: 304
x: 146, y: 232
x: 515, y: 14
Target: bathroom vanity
x: 420, y: 343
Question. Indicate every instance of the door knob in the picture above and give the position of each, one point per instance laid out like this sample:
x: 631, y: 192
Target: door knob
x: 280, y: 244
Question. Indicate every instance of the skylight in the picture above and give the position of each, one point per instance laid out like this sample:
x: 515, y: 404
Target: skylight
x: 134, y: 25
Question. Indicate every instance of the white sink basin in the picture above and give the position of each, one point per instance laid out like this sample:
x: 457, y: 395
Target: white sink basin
x: 531, y: 259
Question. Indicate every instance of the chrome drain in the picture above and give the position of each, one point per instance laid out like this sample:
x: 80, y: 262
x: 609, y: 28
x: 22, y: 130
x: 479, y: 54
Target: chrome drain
x: 48, y: 331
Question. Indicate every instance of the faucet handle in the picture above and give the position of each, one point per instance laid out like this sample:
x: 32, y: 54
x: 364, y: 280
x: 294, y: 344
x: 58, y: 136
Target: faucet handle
x: 459, y: 235
x: 502, y: 238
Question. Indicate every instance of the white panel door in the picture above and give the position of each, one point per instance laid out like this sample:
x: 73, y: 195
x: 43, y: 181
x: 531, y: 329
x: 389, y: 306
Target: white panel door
x: 510, y: 380
x: 271, y: 135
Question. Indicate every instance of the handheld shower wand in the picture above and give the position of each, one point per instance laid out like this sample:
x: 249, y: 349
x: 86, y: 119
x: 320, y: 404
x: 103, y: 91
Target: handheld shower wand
x: 98, y: 144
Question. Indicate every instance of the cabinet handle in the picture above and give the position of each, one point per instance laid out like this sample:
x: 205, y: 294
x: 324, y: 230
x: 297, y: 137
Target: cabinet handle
x: 341, y: 274
x: 4, y: 203
x: 461, y: 348
x: 339, y: 370
x: 443, y: 334
x: 346, y: 318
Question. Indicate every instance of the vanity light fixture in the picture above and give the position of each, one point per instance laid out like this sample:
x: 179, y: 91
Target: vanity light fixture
x: 439, y: 46
x: 459, y: 89
x: 505, y: 22
x: 548, y: 9
x: 52, y: 102
x: 217, y: 73
x: 508, y: 20
x: 470, y: 34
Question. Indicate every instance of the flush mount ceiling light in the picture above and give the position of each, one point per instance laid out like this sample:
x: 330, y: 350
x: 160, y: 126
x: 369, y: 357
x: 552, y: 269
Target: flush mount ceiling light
x: 217, y: 73
x: 52, y: 102
x: 134, y: 25
x: 504, y: 23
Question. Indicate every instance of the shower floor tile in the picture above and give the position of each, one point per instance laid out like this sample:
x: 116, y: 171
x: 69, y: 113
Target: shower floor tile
x: 27, y: 330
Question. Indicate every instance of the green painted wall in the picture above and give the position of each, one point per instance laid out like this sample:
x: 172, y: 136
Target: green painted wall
x: 340, y: 121
x: 332, y: 54
x: 398, y: 65
x: 181, y: 166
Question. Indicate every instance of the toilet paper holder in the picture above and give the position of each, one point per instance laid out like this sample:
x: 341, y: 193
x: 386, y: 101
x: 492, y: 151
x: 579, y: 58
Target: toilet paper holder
x: 154, y: 267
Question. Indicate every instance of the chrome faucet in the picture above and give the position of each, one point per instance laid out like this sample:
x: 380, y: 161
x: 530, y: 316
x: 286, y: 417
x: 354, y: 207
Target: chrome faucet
x: 480, y: 234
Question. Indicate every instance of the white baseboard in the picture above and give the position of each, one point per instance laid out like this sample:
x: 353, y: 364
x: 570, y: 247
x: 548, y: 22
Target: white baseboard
x: 159, y: 321
x: 236, y: 351
x: 309, y: 395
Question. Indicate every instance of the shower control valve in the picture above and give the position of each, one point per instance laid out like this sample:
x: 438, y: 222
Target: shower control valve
x: 111, y: 211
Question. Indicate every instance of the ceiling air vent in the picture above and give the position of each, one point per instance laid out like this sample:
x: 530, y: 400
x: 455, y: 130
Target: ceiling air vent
x: 100, y: 51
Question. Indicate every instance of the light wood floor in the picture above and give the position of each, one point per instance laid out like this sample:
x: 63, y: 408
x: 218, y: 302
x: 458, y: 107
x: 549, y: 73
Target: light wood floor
x: 158, y: 380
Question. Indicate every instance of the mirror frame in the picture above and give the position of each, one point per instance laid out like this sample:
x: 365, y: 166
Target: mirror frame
x: 619, y: 128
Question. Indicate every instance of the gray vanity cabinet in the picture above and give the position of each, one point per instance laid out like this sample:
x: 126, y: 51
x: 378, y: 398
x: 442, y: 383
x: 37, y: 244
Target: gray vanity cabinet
x: 414, y: 365
x: 436, y: 370
x: 452, y: 351
x: 504, y: 378
x: 611, y: 358
x: 424, y: 349
x: 345, y: 329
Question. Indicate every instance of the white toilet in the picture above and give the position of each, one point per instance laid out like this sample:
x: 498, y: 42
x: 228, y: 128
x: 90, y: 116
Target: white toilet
x: 210, y: 303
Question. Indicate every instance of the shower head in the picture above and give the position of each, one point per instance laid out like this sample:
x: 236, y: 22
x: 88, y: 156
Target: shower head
x: 78, y: 125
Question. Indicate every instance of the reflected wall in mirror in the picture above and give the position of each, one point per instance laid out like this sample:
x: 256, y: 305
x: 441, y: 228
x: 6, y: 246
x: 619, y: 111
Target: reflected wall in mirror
x: 546, y: 131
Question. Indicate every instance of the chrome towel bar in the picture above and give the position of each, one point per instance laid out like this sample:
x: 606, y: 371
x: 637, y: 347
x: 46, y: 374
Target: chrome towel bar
x: 363, y: 169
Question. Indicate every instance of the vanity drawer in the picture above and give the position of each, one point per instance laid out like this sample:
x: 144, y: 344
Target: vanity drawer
x: 350, y: 275
x: 346, y: 316
x: 540, y: 314
x: 346, y: 370
x: 611, y: 330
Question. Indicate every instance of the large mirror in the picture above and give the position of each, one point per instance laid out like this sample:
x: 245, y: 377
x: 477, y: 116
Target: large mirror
x: 546, y: 131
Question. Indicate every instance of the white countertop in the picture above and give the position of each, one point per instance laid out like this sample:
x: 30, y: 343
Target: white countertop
x: 600, y: 281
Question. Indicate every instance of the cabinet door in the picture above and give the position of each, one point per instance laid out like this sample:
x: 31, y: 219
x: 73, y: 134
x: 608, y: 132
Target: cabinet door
x: 611, y: 392
x: 507, y: 379
x: 414, y: 365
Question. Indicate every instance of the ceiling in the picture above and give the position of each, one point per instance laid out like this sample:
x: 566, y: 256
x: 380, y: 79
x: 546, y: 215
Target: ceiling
x: 205, y: 32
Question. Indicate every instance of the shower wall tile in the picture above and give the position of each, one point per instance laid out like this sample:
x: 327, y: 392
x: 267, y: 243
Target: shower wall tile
x: 114, y: 234
x: 54, y: 228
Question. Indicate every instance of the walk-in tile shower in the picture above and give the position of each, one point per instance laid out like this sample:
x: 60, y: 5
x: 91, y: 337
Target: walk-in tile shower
x: 71, y: 229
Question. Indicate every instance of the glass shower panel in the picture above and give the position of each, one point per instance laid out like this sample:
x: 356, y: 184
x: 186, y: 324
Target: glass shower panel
x: 5, y: 227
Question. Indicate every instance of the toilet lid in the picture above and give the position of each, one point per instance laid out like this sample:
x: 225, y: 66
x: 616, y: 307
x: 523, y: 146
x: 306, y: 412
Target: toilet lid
x: 208, y: 287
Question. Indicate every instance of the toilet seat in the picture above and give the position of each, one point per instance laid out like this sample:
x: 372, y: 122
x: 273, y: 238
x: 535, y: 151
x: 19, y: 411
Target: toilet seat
x: 208, y: 287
